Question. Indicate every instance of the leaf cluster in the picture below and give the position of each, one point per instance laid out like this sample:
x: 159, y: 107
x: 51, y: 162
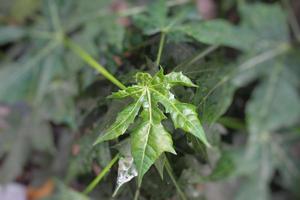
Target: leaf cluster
x: 150, y: 139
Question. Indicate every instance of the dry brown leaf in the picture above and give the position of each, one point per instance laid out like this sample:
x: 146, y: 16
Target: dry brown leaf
x: 37, y: 193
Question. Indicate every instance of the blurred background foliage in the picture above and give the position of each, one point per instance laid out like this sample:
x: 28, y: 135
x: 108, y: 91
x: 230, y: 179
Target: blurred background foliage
x: 243, y: 55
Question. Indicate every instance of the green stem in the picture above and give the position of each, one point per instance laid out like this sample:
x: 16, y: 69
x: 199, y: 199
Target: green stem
x: 92, y: 62
x: 292, y: 19
x: 170, y: 172
x: 160, y: 48
x: 55, y: 16
x: 197, y: 57
x: 143, y: 44
x: 97, y: 180
x: 137, y: 193
x: 233, y: 123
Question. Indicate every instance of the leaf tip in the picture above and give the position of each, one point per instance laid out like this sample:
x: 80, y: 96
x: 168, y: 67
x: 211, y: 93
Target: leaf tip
x: 173, y: 151
x: 98, y: 141
x: 194, y: 85
x: 207, y: 144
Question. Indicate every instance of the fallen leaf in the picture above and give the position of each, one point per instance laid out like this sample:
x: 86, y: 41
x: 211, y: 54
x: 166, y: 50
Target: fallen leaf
x: 37, y: 193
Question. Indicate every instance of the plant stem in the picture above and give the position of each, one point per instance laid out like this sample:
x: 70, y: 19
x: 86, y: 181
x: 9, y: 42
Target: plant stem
x: 137, y: 193
x: 143, y: 44
x: 292, y: 19
x: 203, y: 54
x: 97, y: 180
x: 170, y: 172
x: 92, y: 62
x: 197, y: 57
x: 55, y: 16
x: 160, y: 48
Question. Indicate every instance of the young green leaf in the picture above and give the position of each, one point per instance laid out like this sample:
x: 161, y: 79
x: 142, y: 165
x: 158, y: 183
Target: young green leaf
x: 129, y: 91
x: 149, y: 139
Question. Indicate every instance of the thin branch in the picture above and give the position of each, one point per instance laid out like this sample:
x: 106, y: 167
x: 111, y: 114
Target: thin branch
x: 170, y: 172
x: 98, y: 178
x: 197, y: 57
x: 92, y: 62
x: 160, y: 48
x: 55, y: 16
x: 137, y: 193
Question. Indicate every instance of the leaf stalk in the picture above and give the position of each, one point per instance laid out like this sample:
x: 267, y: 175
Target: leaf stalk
x: 160, y: 48
x: 98, y: 178
x: 170, y: 172
x: 92, y: 62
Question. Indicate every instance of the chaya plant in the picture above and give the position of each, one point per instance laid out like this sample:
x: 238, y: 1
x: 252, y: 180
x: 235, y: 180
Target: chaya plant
x: 149, y: 139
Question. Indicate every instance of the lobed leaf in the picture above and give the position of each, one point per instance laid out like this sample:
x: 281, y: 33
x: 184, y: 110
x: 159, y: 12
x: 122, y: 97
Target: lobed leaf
x: 149, y: 139
x: 262, y: 27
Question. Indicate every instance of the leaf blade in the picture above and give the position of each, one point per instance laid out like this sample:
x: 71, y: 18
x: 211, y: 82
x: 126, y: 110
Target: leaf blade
x: 184, y: 115
x: 124, y: 119
x: 178, y: 78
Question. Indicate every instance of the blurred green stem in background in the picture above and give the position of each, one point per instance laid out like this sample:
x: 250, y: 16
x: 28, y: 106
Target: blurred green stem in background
x: 92, y: 62
x: 160, y: 48
x: 170, y: 172
x: 97, y: 180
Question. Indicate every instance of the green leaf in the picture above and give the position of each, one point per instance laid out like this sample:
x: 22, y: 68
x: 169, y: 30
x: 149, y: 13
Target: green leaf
x: 224, y: 167
x: 274, y: 102
x: 177, y: 78
x: 273, y: 106
x: 10, y: 34
x: 262, y: 27
x: 17, y: 80
x: 149, y: 139
x: 183, y: 115
x: 219, y: 32
x: 216, y: 92
x: 129, y: 91
x: 27, y: 133
x: 124, y: 119
x: 155, y: 19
